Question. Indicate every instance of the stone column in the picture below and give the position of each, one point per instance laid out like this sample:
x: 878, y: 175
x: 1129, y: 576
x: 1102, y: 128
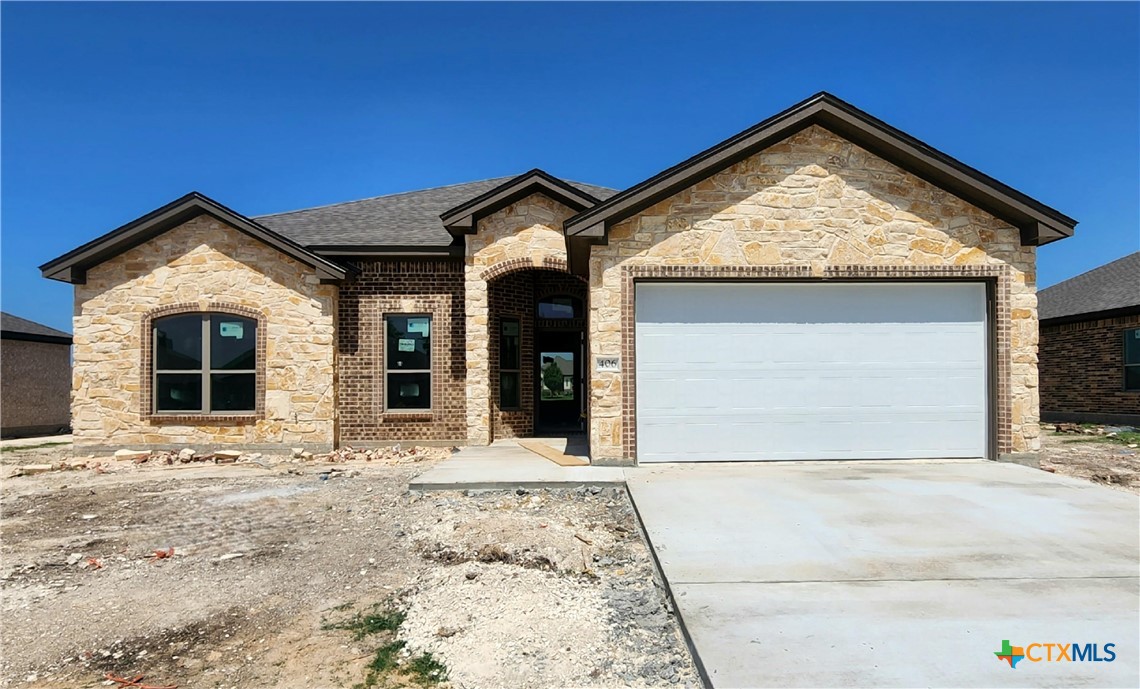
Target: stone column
x: 478, y: 358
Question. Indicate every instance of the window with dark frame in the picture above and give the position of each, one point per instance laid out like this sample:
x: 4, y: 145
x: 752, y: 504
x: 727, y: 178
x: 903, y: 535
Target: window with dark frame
x: 1132, y: 360
x: 560, y: 307
x: 510, y: 377
x: 407, y: 363
x: 205, y: 363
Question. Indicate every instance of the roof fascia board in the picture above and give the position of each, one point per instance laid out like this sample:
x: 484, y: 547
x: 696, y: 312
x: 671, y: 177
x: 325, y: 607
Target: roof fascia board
x: 464, y: 218
x: 72, y: 266
x: 1091, y: 316
x: 1037, y: 222
x: 33, y: 337
x: 390, y: 251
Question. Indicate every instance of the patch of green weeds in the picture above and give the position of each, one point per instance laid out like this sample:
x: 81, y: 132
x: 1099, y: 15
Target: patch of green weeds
x: 1121, y: 438
x: 426, y: 670
x: 377, y: 619
x: 381, y: 620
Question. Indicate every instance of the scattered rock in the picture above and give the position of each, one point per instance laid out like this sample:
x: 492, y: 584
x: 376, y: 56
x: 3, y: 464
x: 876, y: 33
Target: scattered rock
x: 186, y: 455
x: 131, y: 455
x: 230, y: 556
x: 29, y: 469
x: 74, y: 558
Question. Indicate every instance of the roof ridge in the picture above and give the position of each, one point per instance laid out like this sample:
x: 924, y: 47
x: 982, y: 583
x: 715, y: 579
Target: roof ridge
x: 383, y: 196
x: 1090, y: 271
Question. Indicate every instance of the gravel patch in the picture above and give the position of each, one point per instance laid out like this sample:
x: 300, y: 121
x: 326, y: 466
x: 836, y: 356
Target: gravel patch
x: 533, y: 589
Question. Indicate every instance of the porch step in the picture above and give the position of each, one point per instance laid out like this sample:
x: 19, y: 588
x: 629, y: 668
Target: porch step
x: 556, y: 456
x: 507, y: 466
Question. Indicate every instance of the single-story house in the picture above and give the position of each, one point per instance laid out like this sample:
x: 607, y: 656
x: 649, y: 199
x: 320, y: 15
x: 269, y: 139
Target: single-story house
x: 35, y: 378
x: 1090, y: 346
x: 818, y: 286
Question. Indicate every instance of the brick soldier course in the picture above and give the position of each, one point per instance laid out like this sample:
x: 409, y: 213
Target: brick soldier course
x: 819, y: 192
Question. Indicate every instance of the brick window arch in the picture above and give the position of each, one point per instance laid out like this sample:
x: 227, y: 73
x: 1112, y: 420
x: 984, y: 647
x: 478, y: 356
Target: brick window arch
x: 203, y: 364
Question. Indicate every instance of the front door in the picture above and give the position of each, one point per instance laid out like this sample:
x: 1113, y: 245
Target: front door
x: 559, y: 381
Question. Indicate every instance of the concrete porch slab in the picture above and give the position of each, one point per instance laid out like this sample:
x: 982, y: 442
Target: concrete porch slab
x: 504, y: 465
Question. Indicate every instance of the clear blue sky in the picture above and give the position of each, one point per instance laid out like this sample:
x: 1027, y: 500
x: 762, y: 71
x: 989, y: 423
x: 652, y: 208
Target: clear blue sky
x: 112, y: 110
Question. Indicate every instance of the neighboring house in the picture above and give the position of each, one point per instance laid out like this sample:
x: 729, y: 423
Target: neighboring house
x: 35, y: 378
x: 1090, y: 345
x: 819, y: 286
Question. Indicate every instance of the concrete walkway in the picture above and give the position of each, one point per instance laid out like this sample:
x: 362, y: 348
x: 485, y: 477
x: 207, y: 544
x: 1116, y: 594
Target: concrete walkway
x: 894, y: 574
x: 505, y: 465
x: 40, y: 440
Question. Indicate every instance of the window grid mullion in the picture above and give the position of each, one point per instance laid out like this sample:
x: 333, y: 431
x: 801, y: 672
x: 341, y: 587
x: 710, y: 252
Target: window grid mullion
x: 206, y: 364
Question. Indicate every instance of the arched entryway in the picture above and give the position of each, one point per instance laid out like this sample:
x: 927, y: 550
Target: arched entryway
x: 537, y: 353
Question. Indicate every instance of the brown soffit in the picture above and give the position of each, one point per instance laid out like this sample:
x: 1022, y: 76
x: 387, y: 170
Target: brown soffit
x: 463, y: 218
x: 1039, y: 224
x: 72, y: 266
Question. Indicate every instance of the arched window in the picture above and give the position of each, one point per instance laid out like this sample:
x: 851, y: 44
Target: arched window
x: 560, y: 307
x: 205, y: 363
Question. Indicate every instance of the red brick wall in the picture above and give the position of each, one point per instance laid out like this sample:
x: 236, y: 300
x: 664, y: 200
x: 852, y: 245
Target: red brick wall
x: 1081, y: 369
x: 398, y: 287
x: 514, y: 296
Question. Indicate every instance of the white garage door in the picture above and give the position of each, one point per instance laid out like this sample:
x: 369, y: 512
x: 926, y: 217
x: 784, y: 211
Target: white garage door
x: 764, y: 371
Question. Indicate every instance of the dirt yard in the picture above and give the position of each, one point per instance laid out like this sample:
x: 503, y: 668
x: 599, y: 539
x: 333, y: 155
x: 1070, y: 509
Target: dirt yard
x: 272, y: 576
x: 1112, y: 461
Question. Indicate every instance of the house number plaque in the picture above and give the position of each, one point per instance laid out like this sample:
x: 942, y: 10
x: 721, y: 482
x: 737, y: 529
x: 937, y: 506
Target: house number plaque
x: 607, y: 364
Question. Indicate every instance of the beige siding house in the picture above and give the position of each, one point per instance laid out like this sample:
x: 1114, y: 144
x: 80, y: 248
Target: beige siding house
x: 819, y: 286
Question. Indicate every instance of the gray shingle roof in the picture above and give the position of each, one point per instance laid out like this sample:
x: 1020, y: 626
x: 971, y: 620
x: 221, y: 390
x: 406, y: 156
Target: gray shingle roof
x: 1114, y: 285
x: 22, y: 326
x: 407, y: 219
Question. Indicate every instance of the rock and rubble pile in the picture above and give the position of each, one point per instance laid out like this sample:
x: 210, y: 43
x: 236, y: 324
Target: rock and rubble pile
x: 396, y: 455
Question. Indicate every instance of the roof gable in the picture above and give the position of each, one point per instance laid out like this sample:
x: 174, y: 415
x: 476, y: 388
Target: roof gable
x: 1112, y: 287
x: 1038, y: 223
x: 464, y: 218
x: 407, y: 223
x: 72, y: 266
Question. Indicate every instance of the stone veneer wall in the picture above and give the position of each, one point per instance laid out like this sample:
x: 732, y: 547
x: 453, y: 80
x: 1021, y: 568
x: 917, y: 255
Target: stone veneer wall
x: 201, y: 263
x: 525, y: 234
x: 1082, y: 371
x: 431, y: 287
x: 35, y: 397
x: 820, y: 205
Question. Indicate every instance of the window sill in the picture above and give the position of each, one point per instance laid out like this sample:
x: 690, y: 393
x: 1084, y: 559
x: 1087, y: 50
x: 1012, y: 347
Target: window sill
x: 204, y: 419
x: 410, y: 415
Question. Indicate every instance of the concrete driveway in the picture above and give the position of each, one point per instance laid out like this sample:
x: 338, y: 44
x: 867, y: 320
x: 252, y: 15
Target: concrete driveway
x: 895, y: 574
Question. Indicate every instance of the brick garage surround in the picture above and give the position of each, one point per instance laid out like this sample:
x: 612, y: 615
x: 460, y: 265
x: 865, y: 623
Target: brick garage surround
x: 996, y: 275
x: 196, y: 266
x: 392, y: 287
x: 1082, y: 371
x: 816, y: 206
